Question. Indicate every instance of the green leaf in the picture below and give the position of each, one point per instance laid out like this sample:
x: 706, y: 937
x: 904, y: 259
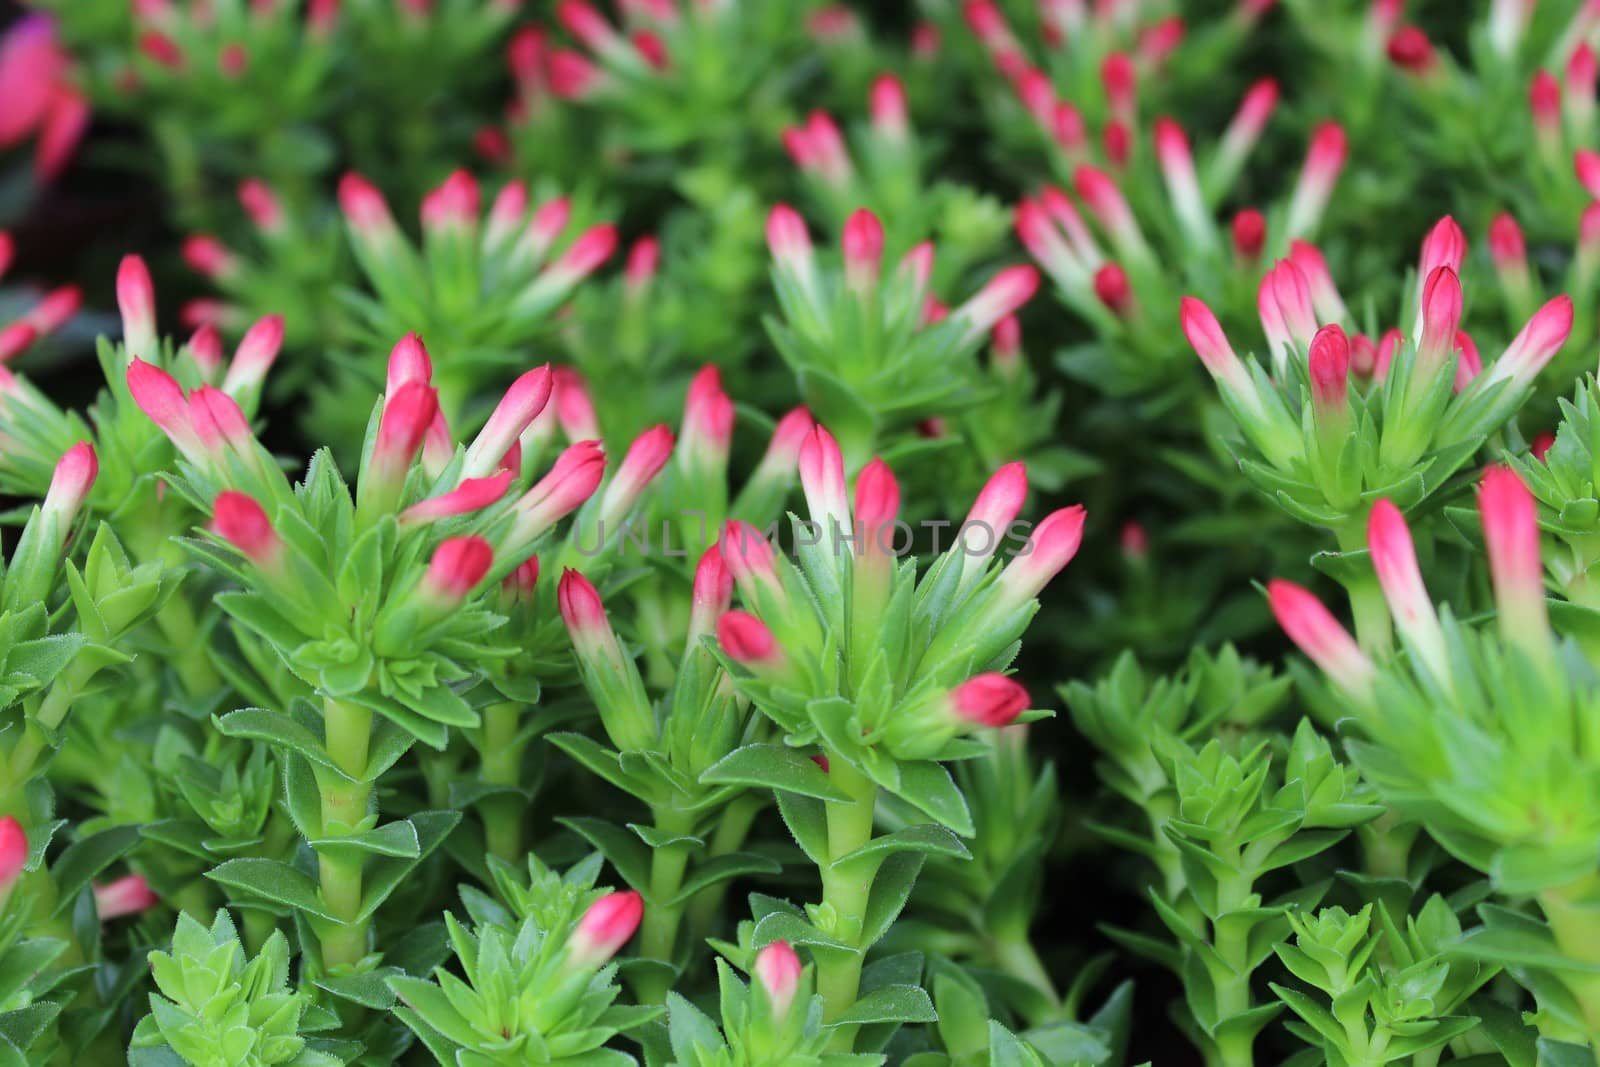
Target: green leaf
x: 272, y: 881
x: 84, y: 859
x: 890, y: 891
x: 383, y: 875
x: 397, y: 838
x: 276, y: 729
x: 624, y: 851
x: 891, y: 1004
x: 928, y: 839
x: 721, y: 869
x: 773, y: 767
x: 929, y: 787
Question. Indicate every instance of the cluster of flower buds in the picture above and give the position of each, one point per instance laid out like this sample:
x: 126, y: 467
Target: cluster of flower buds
x: 1113, y: 264
x: 1080, y: 95
x: 340, y: 582
x: 872, y: 345
x: 918, y: 661
x: 483, y: 282
x: 41, y: 99
x: 48, y: 313
x: 1336, y: 418
x: 660, y: 79
x: 292, y: 268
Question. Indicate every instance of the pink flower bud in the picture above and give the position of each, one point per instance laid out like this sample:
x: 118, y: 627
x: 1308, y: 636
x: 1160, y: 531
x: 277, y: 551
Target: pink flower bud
x: 70, y: 484
x: 520, y: 583
x: 747, y: 640
x: 888, y: 109
x: 750, y: 558
x: 1445, y: 246
x: 863, y: 249
x: 1535, y: 345
x: 1394, y: 558
x: 1329, y: 364
x: 1134, y: 542
x: 1324, y: 160
x: 1051, y: 546
x: 1160, y: 40
x: 1319, y: 635
x: 822, y: 479
x: 572, y: 75
x: 233, y: 60
x: 571, y: 481
x: 1581, y: 77
x: 1003, y: 295
x: 16, y: 339
x: 544, y: 229
x: 788, y: 240
x: 321, y: 15
x: 707, y: 420
x: 8, y: 250
x: 1411, y: 51
x: 520, y: 405
x: 1506, y: 246
x: 1113, y: 290
x: 1587, y: 166
x: 782, y: 456
x: 651, y: 48
x: 454, y: 204
x: 209, y: 257
x: 262, y: 205
x: 917, y: 264
x: 364, y: 207
x: 925, y: 40
x: 257, y: 351
x: 1006, y: 343
x: 587, y: 25
x: 1511, y: 530
x: 13, y: 852
x: 128, y: 895
x: 1067, y: 128
x: 218, y: 423
x: 1291, y: 292
x: 991, y: 700
x: 604, y: 929
x: 473, y: 494
x: 998, y: 504
x: 643, y: 259
x: 1589, y: 229
x: 877, y: 502
x: 712, y: 593
x: 1247, y: 124
x: 1388, y: 345
x: 457, y: 566
x: 136, y: 300
x: 832, y: 159
x: 1105, y: 201
x: 989, y: 26
x: 1205, y: 336
x: 1441, y: 315
x: 646, y: 457
x: 510, y: 207
x: 1044, y: 242
x: 161, y: 399
x: 585, y: 255
x: 205, y: 348
x: 1037, y: 93
x: 1470, y: 364
x: 574, y: 409
x: 1544, y: 101
x: 240, y: 521
x: 777, y: 968
x: 160, y: 49
x: 1120, y: 79
x: 1363, y: 356
x: 408, y: 362
x: 1117, y: 140
x: 1325, y: 298
x: 1541, y: 445
x: 401, y: 430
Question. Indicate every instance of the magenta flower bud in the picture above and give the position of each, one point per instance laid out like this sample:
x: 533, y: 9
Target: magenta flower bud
x: 16, y: 339
x: 751, y: 560
x: 1586, y: 164
x: 8, y: 250
x: 13, y: 852
x: 457, y: 566
x: 205, y: 348
x: 788, y: 240
x: 520, y: 583
x: 1247, y: 124
x: 1134, y: 542
x: 517, y: 409
x: 1388, y: 345
x: 364, y: 207
x: 1441, y: 316
x: 136, y: 300
x: 510, y: 207
x: 1544, y: 102
x: 1511, y: 530
x: 583, y: 612
x: 1272, y: 323
x: 408, y: 362
x: 1363, y: 356
x: 888, y: 109
x: 651, y: 48
x: 1580, y: 93
x: 1541, y: 445
x: 1120, y: 79
x: 74, y: 477
x: 1001, y: 296
x: 1445, y: 246
x: 240, y: 521
x: 863, y: 249
x: 257, y: 351
x: 1005, y: 347
x: 877, y: 506
x: 262, y: 205
x: 782, y: 457
x: 571, y: 481
x: 646, y: 457
x: 1506, y: 245
x: 778, y: 969
x: 748, y: 641
x: 604, y: 929
x: 1112, y: 288
x: 401, y: 430
x: 1329, y: 364
x: 588, y: 26
x: 128, y: 895
x: 218, y: 423
x: 1037, y: 93
x: 998, y: 504
x: 161, y: 399
x: 1469, y: 364
x: 1099, y: 193
x: 454, y: 204
x: 1249, y: 231
x: 1291, y: 289
x: 1320, y: 636
x: 585, y: 255
x: 712, y: 594
x: 925, y: 40
x: 160, y: 49
x: 1067, y: 129
x: 832, y: 159
x: 1324, y: 160
x: 1205, y: 336
x: 1411, y: 51
x: 209, y: 257
x: 917, y: 264
x: 707, y: 421
x: 991, y: 700
x: 544, y: 229
x: 572, y: 75
x: 1117, y: 140
x: 574, y: 409
x: 1325, y: 298
x: 644, y: 258
x: 473, y: 494
x: 1394, y: 558
x: 1045, y: 243
x: 1182, y: 183
x: 989, y: 26
x: 1050, y: 547
x: 1535, y: 345
x: 822, y: 479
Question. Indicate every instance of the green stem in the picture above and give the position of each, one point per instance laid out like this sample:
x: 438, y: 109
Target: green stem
x: 732, y: 829
x: 1016, y: 957
x: 1231, y: 940
x: 1573, y: 912
x: 658, y: 934
x: 345, y: 801
x: 1374, y: 630
x: 50, y: 714
x: 179, y: 626
x: 502, y: 765
x: 846, y: 888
